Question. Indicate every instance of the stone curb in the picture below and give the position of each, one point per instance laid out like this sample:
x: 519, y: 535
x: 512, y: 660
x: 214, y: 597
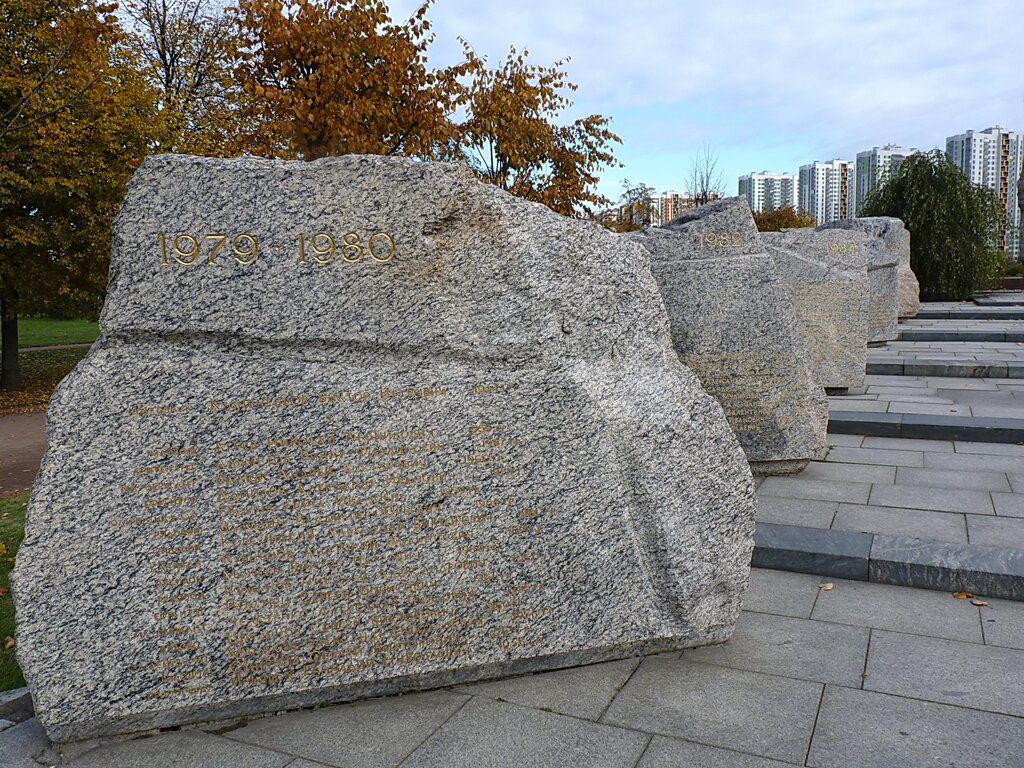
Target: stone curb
x: 966, y: 335
x: 926, y: 426
x: 981, y: 313
x: 16, y: 705
x: 1009, y: 299
x: 966, y: 369
x: 903, y: 561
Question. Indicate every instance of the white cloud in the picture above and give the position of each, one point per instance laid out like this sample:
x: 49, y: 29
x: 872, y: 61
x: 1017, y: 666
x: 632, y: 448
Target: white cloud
x: 832, y: 78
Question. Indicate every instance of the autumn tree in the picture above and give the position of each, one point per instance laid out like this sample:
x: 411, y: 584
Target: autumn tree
x: 704, y: 182
x: 511, y: 137
x: 787, y: 217
x: 179, y: 46
x: 953, y: 224
x: 73, y: 126
x: 332, y: 77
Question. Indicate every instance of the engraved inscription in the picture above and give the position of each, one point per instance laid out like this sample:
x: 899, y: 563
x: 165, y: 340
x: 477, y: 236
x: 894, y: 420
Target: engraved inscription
x: 720, y: 239
x: 320, y: 248
x: 406, y: 527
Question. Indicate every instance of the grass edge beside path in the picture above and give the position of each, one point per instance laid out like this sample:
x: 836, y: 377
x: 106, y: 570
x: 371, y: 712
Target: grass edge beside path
x: 12, y: 530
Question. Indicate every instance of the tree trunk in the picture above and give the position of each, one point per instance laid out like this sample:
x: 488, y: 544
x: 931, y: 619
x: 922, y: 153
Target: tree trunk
x: 10, y: 371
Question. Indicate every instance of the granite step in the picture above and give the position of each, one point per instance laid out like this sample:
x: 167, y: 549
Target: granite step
x: 971, y: 312
x: 960, y: 334
x: 974, y: 369
x: 996, y: 572
x: 927, y: 426
x: 999, y: 299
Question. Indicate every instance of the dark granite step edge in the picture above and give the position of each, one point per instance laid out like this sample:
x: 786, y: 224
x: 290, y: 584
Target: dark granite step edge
x: 960, y: 369
x: 996, y: 572
x: 966, y: 335
x: 925, y: 426
x: 991, y: 313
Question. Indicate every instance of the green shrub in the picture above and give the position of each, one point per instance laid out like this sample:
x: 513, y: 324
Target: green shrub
x: 952, y: 222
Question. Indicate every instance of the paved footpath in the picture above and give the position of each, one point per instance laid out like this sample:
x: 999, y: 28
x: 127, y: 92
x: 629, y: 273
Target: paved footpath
x: 942, y: 490
x: 859, y: 676
x: 22, y: 444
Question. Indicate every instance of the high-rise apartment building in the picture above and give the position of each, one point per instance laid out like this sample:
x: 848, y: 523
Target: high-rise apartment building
x: 992, y: 158
x: 875, y: 166
x: 828, y: 190
x: 767, y: 191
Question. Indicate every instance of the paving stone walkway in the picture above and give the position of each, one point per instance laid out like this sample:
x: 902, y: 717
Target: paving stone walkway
x: 939, y: 395
x: 959, y: 347
x: 942, y: 490
x: 858, y: 676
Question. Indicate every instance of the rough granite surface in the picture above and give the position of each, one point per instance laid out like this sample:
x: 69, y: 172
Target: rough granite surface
x: 825, y: 273
x: 274, y: 483
x: 888, y: 237
x: 733, y: 325
x: 910, y: 288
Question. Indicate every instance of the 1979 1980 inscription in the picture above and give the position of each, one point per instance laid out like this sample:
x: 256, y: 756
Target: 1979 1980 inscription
x: 322, y: 248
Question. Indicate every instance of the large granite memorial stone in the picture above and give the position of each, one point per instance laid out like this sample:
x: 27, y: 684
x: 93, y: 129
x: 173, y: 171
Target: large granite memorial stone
x: 825, y: 273
x: 887, y: 239
x: 898, y: 238
x: 360, y: 426
x: 732, y: 325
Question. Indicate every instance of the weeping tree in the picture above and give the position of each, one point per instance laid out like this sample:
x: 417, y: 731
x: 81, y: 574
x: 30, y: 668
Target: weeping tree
x: 953, y: 225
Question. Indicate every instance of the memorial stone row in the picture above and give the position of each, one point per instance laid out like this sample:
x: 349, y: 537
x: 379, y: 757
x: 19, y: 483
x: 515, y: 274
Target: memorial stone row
x: 366, y: 425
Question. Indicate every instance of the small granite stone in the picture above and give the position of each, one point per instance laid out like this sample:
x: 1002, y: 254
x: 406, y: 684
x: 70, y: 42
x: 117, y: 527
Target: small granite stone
x: 360, y: 426
x: 825, y: 274
x: 733, y: 325
x: 888, y: 239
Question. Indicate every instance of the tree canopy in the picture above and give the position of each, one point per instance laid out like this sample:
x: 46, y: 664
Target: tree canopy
x: 788, y: 217
x: 73, y: 126
x: 178, y: 47
x: 952, y: 222
x: 84, y: 96
x: 512, y: 140
x: 336, y: 77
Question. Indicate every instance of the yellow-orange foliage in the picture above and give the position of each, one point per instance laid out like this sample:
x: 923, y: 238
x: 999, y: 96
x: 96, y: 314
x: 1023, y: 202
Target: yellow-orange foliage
x: 333, y: 77
x: 512, y: 141
x: 783, y: 218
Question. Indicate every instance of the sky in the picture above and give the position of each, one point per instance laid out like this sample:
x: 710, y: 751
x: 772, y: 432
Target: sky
x: 764, y: 85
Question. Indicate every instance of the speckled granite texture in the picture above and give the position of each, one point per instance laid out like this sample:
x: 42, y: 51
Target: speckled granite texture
x: 825, y: 274
x: 733, y: 325
x: 888, y: 241
x: 274, y: 483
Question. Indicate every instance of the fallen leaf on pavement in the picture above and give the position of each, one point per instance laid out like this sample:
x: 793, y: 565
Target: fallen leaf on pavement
x: 978, y: 602
x: 963, y: 595
x: 8, y: 643
x: 826, y: 587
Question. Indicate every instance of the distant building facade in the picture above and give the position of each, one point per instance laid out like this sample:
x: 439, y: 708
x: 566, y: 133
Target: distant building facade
x: 767, y: 191
x: 992, y: 158
x: 668, y: 205
x: 875, y: 166
x: 827, y: 190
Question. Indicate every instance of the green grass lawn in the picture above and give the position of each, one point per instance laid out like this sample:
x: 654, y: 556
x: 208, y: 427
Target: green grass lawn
x: 37, y: 332
x: 40, y: 372
x: 12, y: 529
